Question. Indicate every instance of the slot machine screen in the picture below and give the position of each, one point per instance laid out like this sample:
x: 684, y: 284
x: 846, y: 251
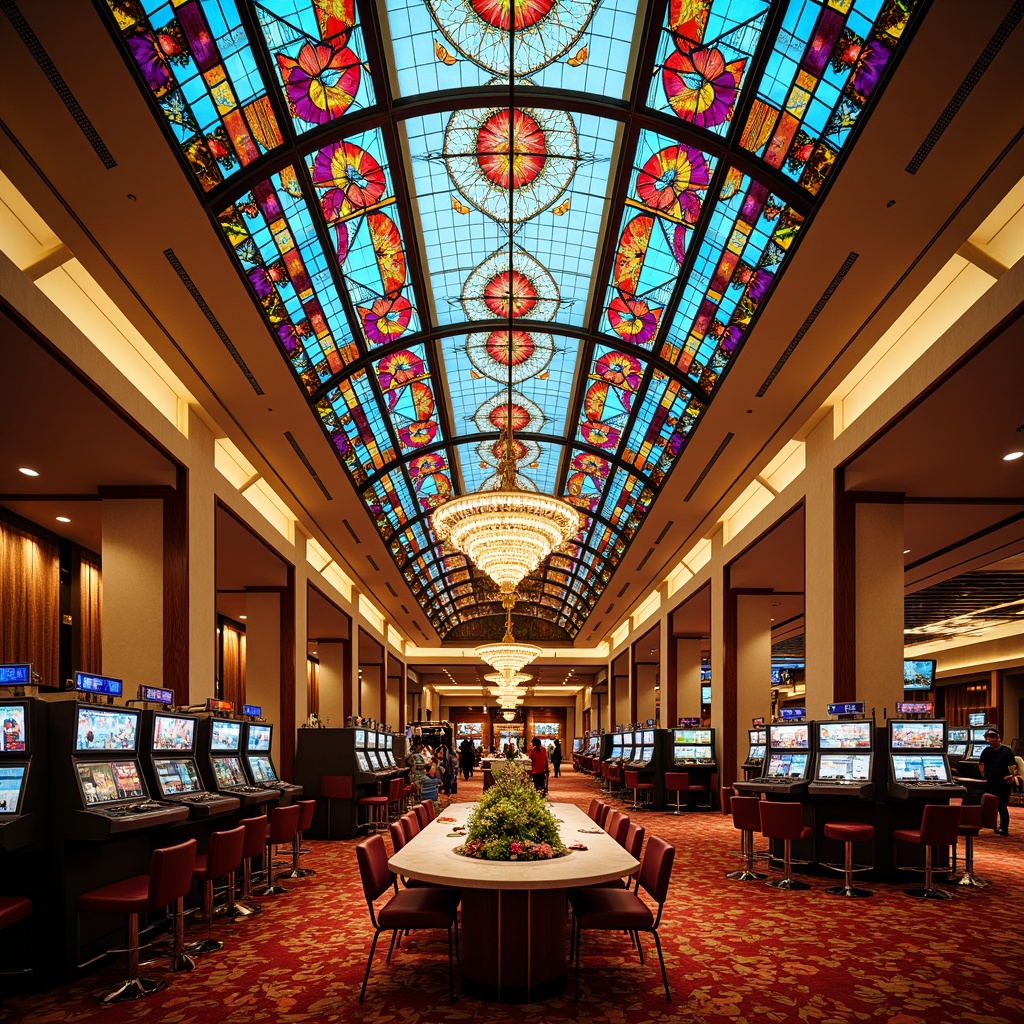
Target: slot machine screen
x: 790, y: 737
x: 646, y: 754
x: 705, y: 695
x: 919, y: 768
x: 577, y: 745
x: 957, y: 750
x: 978, y: 736
x: 13, y: 734
x: 756, y: 752
x: 107, y: 782
x: 259, y: 737
x: 648, y: 738
x: 225, y: 735
x: 371, y: 757
x: 389, y: 741
x: 786, y: 766
x: 12, y: 778
x: 360, y: 739
x: 173, y: 733
x: 177, y: 775
x: 844, y: 767
x: 687, y: 737
x: 106, y: 729
x: 364, y: 764
x: 262, y: 769
x: 228, y: 770
x: 616, y: 753
x: 844, y: 735
x: 957, y: 735
x: 911, y: 734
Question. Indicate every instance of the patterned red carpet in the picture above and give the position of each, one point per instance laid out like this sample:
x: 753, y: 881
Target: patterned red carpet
x: 737, y: 952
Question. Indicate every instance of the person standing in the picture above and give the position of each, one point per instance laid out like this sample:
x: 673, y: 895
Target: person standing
x: 538, y: 763
x: 556, y: 757
x: 998, y: 766
x: 467, y: 757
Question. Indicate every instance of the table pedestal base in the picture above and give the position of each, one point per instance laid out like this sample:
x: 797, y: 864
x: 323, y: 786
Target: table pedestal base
x: 513, y: 944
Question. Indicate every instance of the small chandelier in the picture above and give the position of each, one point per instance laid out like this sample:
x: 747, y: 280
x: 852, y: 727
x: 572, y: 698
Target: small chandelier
x: 508, y: 715
x: 508, y: 656
x: 508, y: 680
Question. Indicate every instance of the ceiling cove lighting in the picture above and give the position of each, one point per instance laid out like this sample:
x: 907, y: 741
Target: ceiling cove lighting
x: 27, y: 471
x: 1011, y: 457
x: 63, y: 519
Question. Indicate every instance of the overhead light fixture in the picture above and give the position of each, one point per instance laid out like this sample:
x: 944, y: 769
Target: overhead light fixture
x: 63, y: 519
x: 508, y: 679
x: 27, y: 471
x: 508, y: 656
x: 1011, y: 457
x: 508, y: 715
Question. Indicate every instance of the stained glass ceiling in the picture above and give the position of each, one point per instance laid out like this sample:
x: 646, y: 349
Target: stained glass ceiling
x: 439, y: 203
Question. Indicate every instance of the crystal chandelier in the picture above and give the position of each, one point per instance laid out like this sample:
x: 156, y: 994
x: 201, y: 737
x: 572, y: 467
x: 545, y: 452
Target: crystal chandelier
x: 508, y: 715
x: 508, y: 656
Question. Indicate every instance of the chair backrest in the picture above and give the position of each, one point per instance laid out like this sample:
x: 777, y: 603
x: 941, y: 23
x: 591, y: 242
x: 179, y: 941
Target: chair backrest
x: 410, y: 824
x: 677, y: 781
x: 306, y: 809
x: 283, y: 823
x: 656, y: 869
x: 428, y: 805
x: 602, y: 814
x: 746, y: 813
x: 396, y: 789
x: 632, y: 778
x: 170, y: 873
x: 397, y: 831
x: 224, y: 854
x: 422, y: 814
x: 970, y: 815
x: 634, y: 839
x: 939, y: 824
x: 780, y: 819
x: 336, y: 787
x: 592, y: 810
x: 610, y: 820
x: 376, y: 876
x: 255, y: 835
x: 989, y: 809
x: 617, y: 829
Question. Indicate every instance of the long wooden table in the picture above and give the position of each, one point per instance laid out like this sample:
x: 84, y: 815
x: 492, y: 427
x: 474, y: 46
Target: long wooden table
x: 513, y: 923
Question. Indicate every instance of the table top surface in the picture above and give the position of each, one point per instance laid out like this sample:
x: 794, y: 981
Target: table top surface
x: 431, y: 857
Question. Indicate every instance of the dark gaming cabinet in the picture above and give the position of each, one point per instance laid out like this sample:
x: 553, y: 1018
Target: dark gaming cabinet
x: 24, y: 772
x: 844, y: 766
x: 918, y: 769
x: 259, y: 764
x: 219, y: 756
x: 757, y: 741
x: 787, y: 767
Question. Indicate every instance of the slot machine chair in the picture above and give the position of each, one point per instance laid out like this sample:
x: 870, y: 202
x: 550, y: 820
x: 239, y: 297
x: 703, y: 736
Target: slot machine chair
x: 335, y: 787
x: 848, y: 833
x: 396, y: 797
x: 633, y: 782
x: 376, y: 812
x: 746, y: 816
x: 679, y: 782
x: 255, y: 834
x: 973, y: 818
x: 14, y: 909
x: 169, y: 878
x: 306, y: 809
x: 280, y: 832
x: 940, y: 824
x: 783, y: 820
x: 222, y: 859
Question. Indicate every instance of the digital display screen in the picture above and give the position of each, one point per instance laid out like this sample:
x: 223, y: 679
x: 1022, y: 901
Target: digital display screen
x: 789, y: 714
x: 15, y: 675
x: 759, y: 736
x: 225, y: 707
x: 789, y: 737
x: 646, y: 754
x: 259, y: 737
x: 105, y: 782
x: 756, y: 752
x: 854, y: 708
x: 361, y: 739
x: 12, y: 728
x: 364, y: 765
x: 683, y: 754
x: 705, y: 675
x: 577, y: 746
x: 262, y: 769
x: 904, y: 707
x: 225, y: 735
x: 371, y: 756
x: 787, y: 669
x: 176, y: 775
x: 102, y: 729
x: 957, y: 750
x: 173, y: 733
x: 12, y: 778
x: 156, y: 695
x: 957, y: 735
x: 849, y: 767
x: 616, y: 748
x: 648, y: 740
x: 917, y: 735
x: 705, y: 695
x: 786, y: 766
x: 978, y: 736
x: 844, y: 735
x: 105, y: 685
x: 918, y: 675
x: 919, y: 768
x: 252, y: 711
x: 228, y: 771
x: 976, y: 718
x: 688, y: 737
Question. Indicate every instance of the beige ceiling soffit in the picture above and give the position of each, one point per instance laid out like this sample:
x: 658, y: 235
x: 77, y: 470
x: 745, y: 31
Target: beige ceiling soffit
x: 251, y: 482
x: 766, y: 485
x: 982, y: 260
x: 47, y: 261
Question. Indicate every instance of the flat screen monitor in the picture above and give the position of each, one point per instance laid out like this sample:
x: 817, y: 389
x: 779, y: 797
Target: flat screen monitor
x: 177, y: 775
x: 919, y: 768
x: 262, y: 769
x: 106, y: 686
x: 15, y: 675
x: 371, y: 756
x: 957, y: 735
x: 920, y: 707
x: 228, y: 770
x: 616, y: 748
x: 389, y: 741
x: 577, y: 746
x: 225, y: 735
x: 156, y: 695
x: 786, y: 766
x: 844, y: 767
x: 976, y: 718
x: 854, y: 735
x: 106, y: 728
x: 978, y: 736
x: 705, y: 695
x: 107, y: 782
x: 364, y: 765
x: 252, y: 710
x: 792, y: 714
x: 648, y: 738
x: 917, y: 734
x: 790, y: 736
x: 691, y: 753
x: 759, y: 736
x: 756, y: 752
x: 705, y: 674
x: 12, y: 780
x: 957, y: 750
x: 173, y: 732
x: 259, y: 737
x: 687, y: 737
x: 918, y: 674
x: 785, y: 670
x: 13, y: 728
x: 360, y: 739
x: 646, y: 754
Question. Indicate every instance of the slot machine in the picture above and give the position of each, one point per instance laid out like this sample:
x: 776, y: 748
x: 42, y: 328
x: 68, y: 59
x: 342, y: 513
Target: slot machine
x: 693, y: 751
x: 219, y: 756
x: 24, y: 768
x: 259, y: 762
x: 757, y: 741
x: 918, y: 769
x: 844, y: 766
x: 956, y: 748
x: 787, y: 765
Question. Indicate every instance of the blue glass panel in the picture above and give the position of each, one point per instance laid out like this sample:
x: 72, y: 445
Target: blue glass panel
x: 352, y: 416
x: 667, y: 415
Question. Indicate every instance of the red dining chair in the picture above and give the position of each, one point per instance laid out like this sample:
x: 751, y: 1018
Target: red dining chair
x: 622, y: 910
x: 616, y: 825
x: 222, y: 859
x: 410, y: 823
x: 592, y: 809
x: 406, y: 910
x: 422, y: 814
x: 633, y: 843
x: 602, y: 814
x: 939, y: 827
x: 428, y: 806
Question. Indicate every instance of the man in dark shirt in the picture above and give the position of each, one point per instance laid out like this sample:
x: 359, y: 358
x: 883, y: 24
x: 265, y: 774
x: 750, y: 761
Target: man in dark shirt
x: 998, y: 766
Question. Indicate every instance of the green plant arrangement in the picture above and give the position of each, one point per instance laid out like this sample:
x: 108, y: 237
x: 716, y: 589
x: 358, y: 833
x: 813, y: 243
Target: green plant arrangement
x: 512, y: 821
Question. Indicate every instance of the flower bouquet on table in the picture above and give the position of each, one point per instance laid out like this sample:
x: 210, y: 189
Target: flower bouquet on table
x: 512, y: 821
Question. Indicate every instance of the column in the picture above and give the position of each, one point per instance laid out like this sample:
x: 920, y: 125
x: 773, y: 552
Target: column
x: 646, y: 675
x: 687, y: 683
x: 332, y: 655
x: 753, y: 664
x: 263, y: 659
x: 202, y: 562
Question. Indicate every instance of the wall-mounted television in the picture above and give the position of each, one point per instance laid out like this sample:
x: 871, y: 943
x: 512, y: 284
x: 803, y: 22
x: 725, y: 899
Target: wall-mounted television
x: 918, y: 674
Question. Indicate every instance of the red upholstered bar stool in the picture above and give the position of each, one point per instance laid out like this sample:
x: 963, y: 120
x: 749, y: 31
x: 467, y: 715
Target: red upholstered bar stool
x: 939, y: 827
x: 973, y: 818
x: 746, y: 816
x: 306, y: 809
x: 14, y: 909
x: 633, y: 782
x: 678, y: 782
x: 280, y: 832
x: 376, y: 811
x: 849, y: 832
x: 169, y: 878
x: 222, y: 859
x: 727, y: 796
x: 335, y: 787
x: 783, y: 820
x: 252, y: 846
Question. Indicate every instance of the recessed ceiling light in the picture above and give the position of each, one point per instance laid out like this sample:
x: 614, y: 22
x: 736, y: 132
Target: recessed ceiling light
x: 27, y: 471
x: 243, y: 616
x: 1006, y: 458
x: 63, y: 519
x: 906, y: 551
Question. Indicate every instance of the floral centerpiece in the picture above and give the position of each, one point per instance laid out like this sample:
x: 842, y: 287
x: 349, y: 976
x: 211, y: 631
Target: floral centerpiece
x: 512, y: 821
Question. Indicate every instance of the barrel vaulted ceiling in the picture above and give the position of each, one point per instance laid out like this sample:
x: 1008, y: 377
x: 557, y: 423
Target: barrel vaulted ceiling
x: 665, y: 161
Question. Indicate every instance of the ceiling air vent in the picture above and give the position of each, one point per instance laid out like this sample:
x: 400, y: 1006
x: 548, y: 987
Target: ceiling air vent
x: 610, y: 608
x: 348, y: 526
x: 623, y: 590
x: 643, y: 561
x: 376, y: 567
x: 309, y: 466
x: 391, y: 589
x: 661, y: 536
x: 404, y: 609
x: 208, y: 313
x: 707, y: 469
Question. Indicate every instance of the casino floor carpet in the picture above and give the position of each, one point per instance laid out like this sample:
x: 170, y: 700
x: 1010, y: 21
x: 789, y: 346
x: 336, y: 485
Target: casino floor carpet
x: 737, y: 953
